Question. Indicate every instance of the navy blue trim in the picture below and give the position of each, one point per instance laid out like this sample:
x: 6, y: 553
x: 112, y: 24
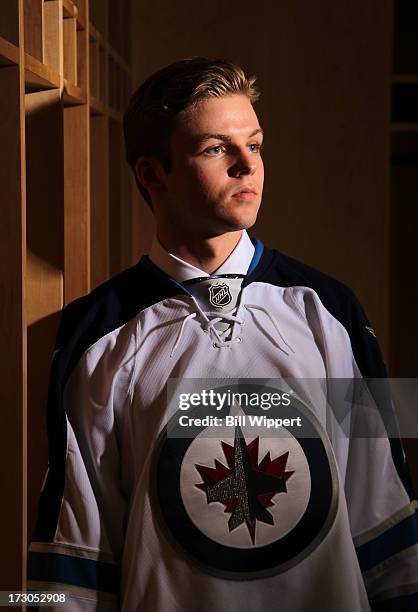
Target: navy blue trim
x: 65, y: 569
x: 403, y: 603
x: 387, y: 544
x: 259, y: 248
x: 148, y: 263
x: 261, y: 268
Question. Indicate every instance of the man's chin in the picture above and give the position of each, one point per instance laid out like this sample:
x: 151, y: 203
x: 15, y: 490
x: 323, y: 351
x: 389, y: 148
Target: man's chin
x: 228, y: 221
x: 240, y: 222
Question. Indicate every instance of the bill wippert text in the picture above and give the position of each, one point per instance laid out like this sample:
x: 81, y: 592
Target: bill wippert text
x: 241, y: 420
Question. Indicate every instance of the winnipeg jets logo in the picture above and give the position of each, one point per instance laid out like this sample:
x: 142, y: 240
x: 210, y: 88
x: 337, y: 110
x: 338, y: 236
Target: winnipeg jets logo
x: 220, y: 295
x: 240, y: 504
x: 246, y: 488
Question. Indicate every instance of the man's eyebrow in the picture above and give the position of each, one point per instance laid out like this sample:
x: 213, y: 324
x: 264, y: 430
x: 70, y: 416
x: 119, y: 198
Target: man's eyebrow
x: 208, y: 136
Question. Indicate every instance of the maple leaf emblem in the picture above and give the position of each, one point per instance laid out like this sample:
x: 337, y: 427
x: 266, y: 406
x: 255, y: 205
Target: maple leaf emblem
x: 245, y: 487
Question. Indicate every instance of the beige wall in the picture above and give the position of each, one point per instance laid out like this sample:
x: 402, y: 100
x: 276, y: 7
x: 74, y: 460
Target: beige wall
x: 324, y: 71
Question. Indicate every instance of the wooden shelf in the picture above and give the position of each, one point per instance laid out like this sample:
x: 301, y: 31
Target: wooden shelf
x: 38, y: 76
x: 404, y: 127
x: 60, y: 145
x: 9, y: 53
x: 73, y: 95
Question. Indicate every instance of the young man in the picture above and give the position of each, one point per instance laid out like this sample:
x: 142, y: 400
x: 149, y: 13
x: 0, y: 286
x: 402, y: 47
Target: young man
x: 135, y: 514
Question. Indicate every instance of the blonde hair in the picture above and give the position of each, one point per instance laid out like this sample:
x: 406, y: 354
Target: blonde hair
x: 153, y: 108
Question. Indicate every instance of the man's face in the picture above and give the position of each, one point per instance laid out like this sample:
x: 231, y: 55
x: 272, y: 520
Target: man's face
x: 216, y: 179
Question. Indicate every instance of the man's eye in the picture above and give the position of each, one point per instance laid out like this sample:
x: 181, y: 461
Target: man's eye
x: 214, y: 151
x: 255, y: 147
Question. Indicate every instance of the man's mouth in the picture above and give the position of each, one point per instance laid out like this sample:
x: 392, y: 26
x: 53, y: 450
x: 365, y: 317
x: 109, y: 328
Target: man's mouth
x: 246, y: 193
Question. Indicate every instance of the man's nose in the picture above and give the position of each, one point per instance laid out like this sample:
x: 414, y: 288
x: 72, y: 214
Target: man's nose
x: 245, y: 163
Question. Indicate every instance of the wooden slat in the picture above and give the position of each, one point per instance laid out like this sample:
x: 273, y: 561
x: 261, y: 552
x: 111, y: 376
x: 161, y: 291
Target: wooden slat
x: 38, y: 76
x: 70, y: 50
x: 69, y: 8
x: 45, y: 262
x: 93, y: 33
x: 12, y: 332
x: 99, y: 200
x: 111, y: 78
x: 76, y: 202
x: 94, y: 68
x: 53, y: 35
x: 9, y: 53
x: 118, y: 59
x: 34, y: 28
x: 82, y: 59
x: 118, y: 89
x: 103, y: 69
x: 81, y: 16
x: 72, y: 95
x: 97, y: 107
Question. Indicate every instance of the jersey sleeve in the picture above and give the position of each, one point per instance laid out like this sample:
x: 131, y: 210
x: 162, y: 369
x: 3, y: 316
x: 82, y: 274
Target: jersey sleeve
x: 383, y: 522
x: 78, y: 540
x: 380, y: 498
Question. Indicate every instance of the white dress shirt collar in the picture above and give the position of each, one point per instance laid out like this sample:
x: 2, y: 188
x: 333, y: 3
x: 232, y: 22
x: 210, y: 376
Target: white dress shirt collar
x: 237, y: 263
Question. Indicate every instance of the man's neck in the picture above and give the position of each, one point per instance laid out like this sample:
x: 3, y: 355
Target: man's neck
x: 208, y: 254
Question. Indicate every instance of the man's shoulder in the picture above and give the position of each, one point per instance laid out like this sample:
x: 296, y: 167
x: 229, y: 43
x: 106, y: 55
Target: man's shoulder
x: 336, y: 297
x: 112, y: 304
x: 108, y: 296
x: 286, y: 271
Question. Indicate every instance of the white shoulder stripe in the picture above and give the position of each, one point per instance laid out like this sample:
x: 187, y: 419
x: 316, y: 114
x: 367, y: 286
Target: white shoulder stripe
x: 406, y: 589
x: 392, y: 520
x: 71, y: 551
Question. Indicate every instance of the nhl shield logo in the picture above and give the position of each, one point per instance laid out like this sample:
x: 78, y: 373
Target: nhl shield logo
x: 240, y: 505
x: 220, y: 295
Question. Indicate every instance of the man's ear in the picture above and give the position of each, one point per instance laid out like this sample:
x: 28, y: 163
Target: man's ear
x: 150, y: 174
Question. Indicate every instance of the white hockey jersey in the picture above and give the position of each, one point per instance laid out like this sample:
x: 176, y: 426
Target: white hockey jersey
x: 132, y: 518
